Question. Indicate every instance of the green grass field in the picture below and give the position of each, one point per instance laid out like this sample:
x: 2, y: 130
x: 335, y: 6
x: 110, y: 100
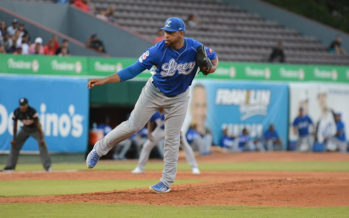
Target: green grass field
x: 51, y: 187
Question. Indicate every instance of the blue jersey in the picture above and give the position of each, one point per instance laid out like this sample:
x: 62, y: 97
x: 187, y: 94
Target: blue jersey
x: 191, y: 135
x: 174, y: 70
x: 227, y: 141
x: 270, y: 135
x: 302, y: 124
x: 243, y: 139
x: 158, y: 118
x: 341, y: 128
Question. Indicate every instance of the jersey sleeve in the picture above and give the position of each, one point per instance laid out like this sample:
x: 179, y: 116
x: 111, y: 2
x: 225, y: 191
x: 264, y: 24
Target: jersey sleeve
x: 310, y: 120
x: 149, y: 58
x: 295, y: 122
x: 211, y: 54
x: 15, y: 115
x: 34, y: 114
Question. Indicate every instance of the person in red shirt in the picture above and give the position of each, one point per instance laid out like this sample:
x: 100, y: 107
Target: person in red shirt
x: 49, y: 48
x: 82, y: 5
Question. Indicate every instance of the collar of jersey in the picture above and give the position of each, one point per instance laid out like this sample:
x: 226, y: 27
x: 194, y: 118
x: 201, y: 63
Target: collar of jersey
x: 185, y: 48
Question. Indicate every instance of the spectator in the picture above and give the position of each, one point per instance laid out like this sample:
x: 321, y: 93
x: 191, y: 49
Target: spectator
x: 245, y: 141
x: 272, y: 140
x: 336, y: 46
x: 301, y: 126
x: 192, y: 21
x: 63, y: 50
x: 101, y: 14
x: 95, y: 43
x: 11, y: 30
x: 3, y: 28
x: 83, y: 5
x: 7, y: 41
x: 12, y: 43
x: 36, y: 47
x: 18, y: 51
x: 160, y: 36
x: 2, y: 49
x: 228, y: 142
x: 22, y: 30
x: 109, y: 13
x: 49, y: 49
x: 55, y: 42
x: 25, y: 45
x: 277, y: 55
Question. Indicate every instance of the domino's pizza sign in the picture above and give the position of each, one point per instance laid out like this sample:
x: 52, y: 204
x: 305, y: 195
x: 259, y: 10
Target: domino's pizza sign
x: 62, y: 106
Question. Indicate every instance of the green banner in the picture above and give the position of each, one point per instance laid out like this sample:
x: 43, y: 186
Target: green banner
x: 107, y: 66
x: 84, y: 66
x: 43, y: 65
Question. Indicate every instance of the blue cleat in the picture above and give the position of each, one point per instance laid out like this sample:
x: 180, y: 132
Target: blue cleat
x: 160, y: 188
x: 92, y: 159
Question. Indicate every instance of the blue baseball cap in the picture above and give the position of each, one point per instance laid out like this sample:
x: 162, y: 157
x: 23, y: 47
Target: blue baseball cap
x: 174, y: 24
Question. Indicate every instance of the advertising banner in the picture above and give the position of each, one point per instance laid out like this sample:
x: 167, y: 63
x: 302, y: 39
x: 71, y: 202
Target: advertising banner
x: 62, y: 106
x: 43, y: 65
x: 86, y: 66
x: 237, y: 105
x: 320, y: 101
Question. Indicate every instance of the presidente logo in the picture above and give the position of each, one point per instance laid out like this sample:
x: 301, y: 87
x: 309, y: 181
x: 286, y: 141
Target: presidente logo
x: 106, y: 67
x: 23, y: 65
x: 251, y: 102
x: 326, y: 74
x: 53, y: 124
x: 292, y: 74
x: 258, y: 72
x: 66, y: 66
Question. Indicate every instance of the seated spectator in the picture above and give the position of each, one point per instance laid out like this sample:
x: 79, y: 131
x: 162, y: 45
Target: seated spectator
x: 3, y: 28
x: 49, y: 49
x: 228, y: 142
x: 336, y: 46
x: 36, y: 47
x: 159, y: 37
x: 18, y: 51
x: 245, y: 141
x: 2, y: 49
x: 6, y: 41
x: 101, y: 14
x: 22, y: 30
x: 83, y: 5
x: 11, y: 30
x: 95, y: 43
x: 277, y: 55
x: 55, y: 42
x: 272, y: 140
x: 192, y: 21
x: 63, y: 50
x: 25, y: 45
x: 12, y: 46
x: 109, y: 13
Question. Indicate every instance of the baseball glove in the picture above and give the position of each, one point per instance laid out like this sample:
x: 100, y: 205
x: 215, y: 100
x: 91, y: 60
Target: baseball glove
x: 202, y: 60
